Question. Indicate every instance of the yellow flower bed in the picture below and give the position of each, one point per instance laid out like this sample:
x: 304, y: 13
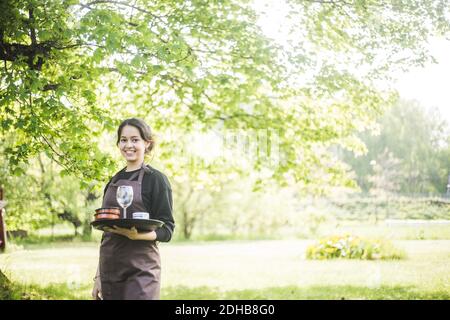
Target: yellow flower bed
x: 352, y: 247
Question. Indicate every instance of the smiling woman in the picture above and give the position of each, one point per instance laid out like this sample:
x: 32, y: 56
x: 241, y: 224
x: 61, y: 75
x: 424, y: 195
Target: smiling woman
x: 134, y: 140
x: 129, y: 266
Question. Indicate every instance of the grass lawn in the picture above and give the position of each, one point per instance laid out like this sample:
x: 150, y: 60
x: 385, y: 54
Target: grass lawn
x: 272, y: 269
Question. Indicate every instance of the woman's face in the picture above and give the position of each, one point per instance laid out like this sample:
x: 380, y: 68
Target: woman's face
x: 131, y: 144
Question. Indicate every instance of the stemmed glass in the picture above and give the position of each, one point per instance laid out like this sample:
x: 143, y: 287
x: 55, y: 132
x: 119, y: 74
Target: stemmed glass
x: 124, y: 197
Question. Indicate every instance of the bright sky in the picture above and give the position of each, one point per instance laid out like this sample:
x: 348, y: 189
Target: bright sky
x: 429, y: 85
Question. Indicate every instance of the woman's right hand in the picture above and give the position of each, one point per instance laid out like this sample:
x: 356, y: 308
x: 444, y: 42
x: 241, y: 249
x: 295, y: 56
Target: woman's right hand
x: 97, y: 290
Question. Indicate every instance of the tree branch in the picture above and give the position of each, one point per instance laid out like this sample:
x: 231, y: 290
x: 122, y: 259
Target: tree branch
x: 120, y: 3
x: 12, y: 52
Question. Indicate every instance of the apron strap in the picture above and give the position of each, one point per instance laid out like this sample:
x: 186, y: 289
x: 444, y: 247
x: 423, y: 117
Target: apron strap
x: 116, y: 176
x: 133, y: 176
x: 141, y: 173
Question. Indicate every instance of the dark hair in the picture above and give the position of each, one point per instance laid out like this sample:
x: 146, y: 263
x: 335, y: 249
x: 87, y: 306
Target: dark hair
x: 144, y: 130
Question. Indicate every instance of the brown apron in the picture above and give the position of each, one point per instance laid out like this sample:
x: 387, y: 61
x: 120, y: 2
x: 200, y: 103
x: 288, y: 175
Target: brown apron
x: 129, y: 269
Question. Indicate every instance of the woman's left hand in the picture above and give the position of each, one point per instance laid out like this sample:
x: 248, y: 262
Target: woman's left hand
x: 129, y: 233
x: 132, y: 233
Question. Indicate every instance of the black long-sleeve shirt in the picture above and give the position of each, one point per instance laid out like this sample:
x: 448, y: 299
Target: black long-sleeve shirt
x: 157, y: 198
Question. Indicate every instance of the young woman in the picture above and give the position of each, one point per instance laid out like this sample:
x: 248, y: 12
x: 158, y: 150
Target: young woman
x: 129, y: 266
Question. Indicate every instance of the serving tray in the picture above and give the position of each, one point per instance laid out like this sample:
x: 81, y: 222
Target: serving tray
x: 140, y: 224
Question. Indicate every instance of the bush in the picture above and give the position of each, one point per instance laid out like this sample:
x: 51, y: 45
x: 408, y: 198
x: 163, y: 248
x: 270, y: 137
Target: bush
x: 362, y: 208
x: 5, y: 290
x: 351, y: 247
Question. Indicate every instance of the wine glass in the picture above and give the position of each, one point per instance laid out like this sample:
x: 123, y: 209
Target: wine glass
x: 124, y: 197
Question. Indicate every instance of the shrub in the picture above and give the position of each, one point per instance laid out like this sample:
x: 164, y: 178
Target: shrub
x: 395, y: 207
x: 351, y: 247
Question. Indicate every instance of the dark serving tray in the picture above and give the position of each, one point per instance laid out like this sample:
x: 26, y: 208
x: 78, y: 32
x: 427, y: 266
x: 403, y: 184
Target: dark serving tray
x: 140, y: 224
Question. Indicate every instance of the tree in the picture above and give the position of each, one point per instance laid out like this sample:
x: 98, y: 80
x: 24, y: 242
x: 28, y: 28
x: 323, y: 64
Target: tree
x: 71, y: 68
x: 201, y: 62
x: 387, y: 173
x: 42, y: 197
x: 411, y: 148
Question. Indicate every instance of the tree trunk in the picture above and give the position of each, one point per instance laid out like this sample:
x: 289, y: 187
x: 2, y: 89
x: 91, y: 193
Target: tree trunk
x: 90, y: 197
x: 87, y: 228
x: 186, y: 231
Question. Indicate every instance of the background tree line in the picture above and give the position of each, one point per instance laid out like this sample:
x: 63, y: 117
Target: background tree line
x: 73, y: 69
x: 409, y: 154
